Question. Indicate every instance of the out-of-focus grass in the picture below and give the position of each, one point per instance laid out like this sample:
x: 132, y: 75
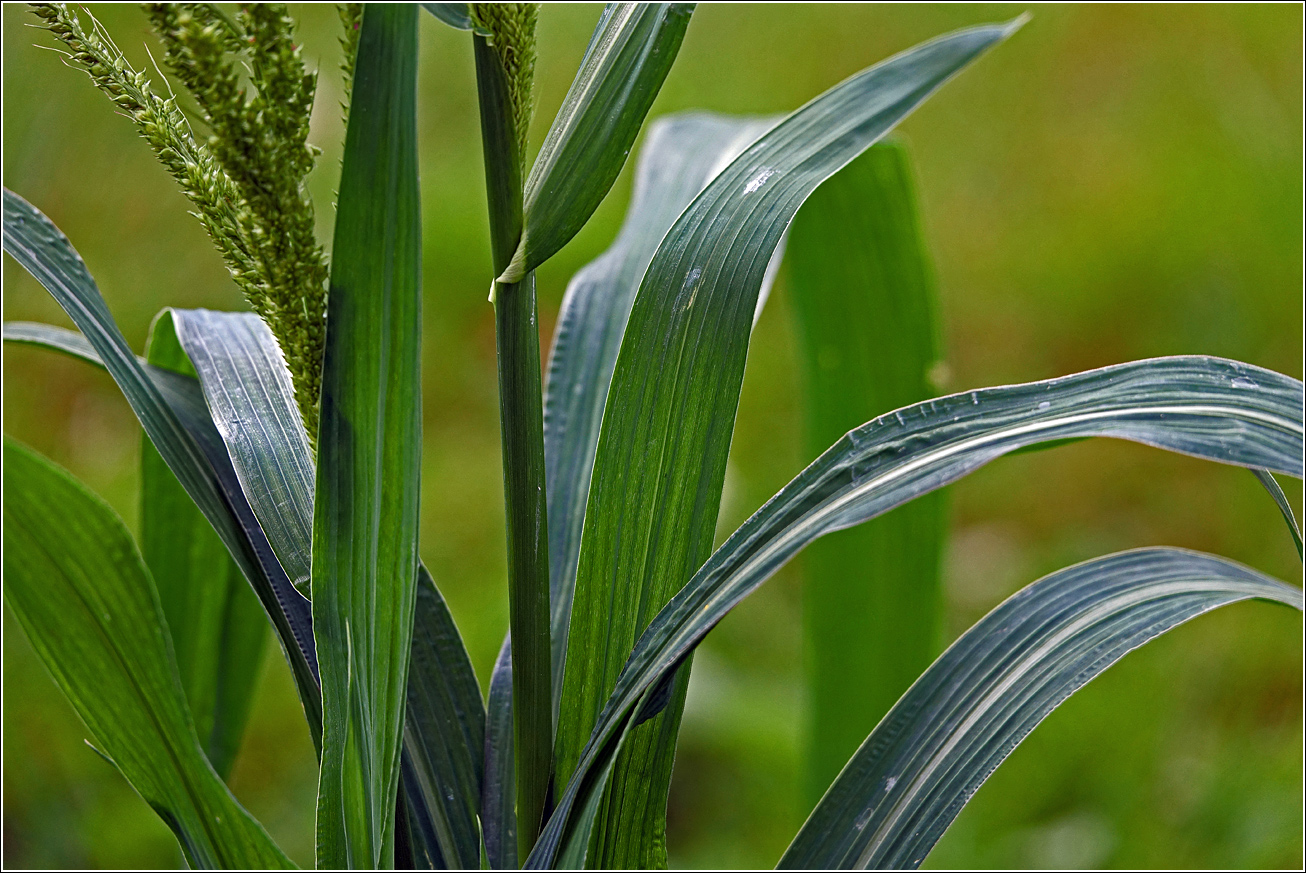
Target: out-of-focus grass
x: 1116, y: 182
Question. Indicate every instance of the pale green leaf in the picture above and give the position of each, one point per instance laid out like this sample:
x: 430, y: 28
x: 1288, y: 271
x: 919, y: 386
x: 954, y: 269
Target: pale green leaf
x: 173, y: 415
x: 78, y: 586
x: 680, y: 156
x: 249, y: 393
x: 217, y: 625
x: 865, y: 307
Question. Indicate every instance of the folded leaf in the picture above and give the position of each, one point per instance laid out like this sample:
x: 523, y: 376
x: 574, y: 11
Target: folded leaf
x: 1205, y: 407
x: 969, y: 711
x: 498, y: 792
x: 865, y: 307
x: 173, y: 415
x: 444, y: 737
x: 252, y: 400
x: 78, y: 586
x: 364, y: 568
x: 217, y: 625
x: 669, y: 417
x: 628, y: 58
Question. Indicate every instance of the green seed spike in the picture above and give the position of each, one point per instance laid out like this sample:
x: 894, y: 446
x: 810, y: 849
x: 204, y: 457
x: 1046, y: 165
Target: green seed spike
x: 246, y: 179
x: 512, y: 33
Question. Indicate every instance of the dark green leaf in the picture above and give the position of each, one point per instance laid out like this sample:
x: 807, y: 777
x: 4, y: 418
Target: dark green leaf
x: 76, y: 583
x: 173, y: 415
x: 629, y: 56
x: 660, y: 465
x: 364, y: 569
x: 250, y: 395
x: 865, y: 307
x: 498, y: 810
x: 217, y: 625
x: 681, y: 155
x: 914, y: 773
x: 1205, y: 407
x: 444, y: 737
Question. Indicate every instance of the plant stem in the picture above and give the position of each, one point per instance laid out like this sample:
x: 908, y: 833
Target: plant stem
x: 521, y: 417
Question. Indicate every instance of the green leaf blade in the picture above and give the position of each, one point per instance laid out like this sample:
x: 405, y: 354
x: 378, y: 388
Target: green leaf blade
x: 78, y: 586
x: 1209, y: 408
x: 364, y: 568
x: 249, y: 393
x: 625, y: 64
x: 217, y: 625
x: 680, y: 156
x: 172, y: 412
x: 498, y: 793
x: 968, y: 712
x: 444, y: 737
x: 669, y: 417
x: 866, y: 312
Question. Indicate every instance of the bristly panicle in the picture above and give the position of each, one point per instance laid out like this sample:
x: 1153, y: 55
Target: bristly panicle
x: 351, y: 23
x: 512, y: 33
x: 246, y: 178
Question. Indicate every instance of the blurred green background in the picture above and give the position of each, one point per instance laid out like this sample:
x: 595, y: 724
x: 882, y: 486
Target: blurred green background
x: 1116, y: 182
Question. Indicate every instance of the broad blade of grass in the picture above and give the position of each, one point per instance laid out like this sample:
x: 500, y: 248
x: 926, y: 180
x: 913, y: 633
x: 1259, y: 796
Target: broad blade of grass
x: 865, y: 306
x: 1205, y: 407
x: 969, y: 711
x: 217, y: 625
x: 78, y: 586
x: 498, y: 792
x: 444, y: 736
x: 364, y: 569
x: 628, y: 58
x: 441, y: 673
x: 661, y: 458
x: 680, y: 156
x: 173, y: 415
x: 252, y: 400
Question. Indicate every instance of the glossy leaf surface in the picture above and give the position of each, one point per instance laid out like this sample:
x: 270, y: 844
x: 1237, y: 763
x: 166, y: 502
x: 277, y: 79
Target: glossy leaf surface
x: 969, y: 711
x: 1205, y: 407
x: 217, y: 625
x: 669, y: 417
x: 171, y: 410
x: 249, y: 394
x: 681, y: 154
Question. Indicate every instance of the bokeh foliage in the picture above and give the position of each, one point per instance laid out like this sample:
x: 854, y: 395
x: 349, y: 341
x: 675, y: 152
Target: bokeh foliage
x: 1114, y: 183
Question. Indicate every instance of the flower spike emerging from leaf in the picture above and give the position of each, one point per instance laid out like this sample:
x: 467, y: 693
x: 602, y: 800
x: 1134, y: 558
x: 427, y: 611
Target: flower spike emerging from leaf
x: 511, y: 28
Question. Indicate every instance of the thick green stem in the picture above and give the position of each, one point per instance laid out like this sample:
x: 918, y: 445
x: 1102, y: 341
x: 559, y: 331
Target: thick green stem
x: 521, y: 417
